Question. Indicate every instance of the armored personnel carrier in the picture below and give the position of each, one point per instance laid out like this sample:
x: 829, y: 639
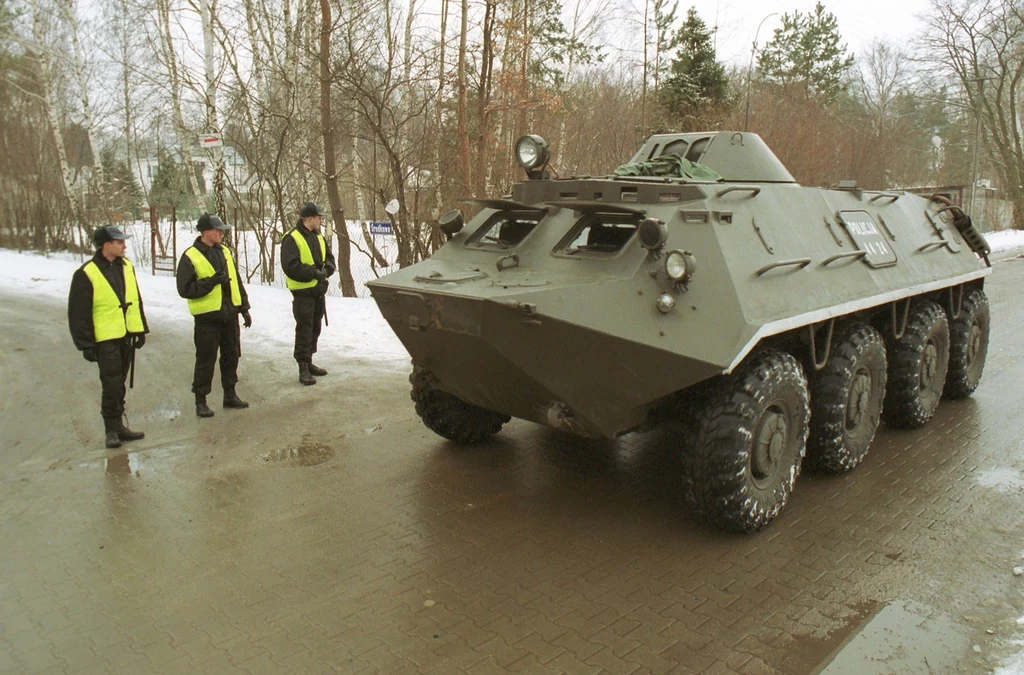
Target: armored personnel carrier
x: 775, y: 324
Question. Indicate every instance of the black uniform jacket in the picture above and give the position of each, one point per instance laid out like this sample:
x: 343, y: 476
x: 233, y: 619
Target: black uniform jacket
x: 294, y: 268
x: 80, y: 299
x: 190, y: 287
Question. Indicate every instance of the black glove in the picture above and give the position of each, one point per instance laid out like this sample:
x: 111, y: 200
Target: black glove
x: 219, y: 277
x: 138, y: 341
x: 320, y: 275
x: 246, y: 318
x: 89, y: 354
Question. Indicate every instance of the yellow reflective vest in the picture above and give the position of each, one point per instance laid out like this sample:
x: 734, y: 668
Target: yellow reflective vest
x: 110, y: 321
x: 211, y: 301
x: 306, y: 257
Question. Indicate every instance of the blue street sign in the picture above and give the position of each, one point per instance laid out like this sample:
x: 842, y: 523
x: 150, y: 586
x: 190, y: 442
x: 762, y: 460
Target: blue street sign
x: 380, y: 227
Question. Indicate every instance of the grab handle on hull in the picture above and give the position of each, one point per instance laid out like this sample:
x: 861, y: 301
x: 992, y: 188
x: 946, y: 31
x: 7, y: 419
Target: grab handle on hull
x: 839, y: 256
x: 752, y: 189
x: 799, y: 263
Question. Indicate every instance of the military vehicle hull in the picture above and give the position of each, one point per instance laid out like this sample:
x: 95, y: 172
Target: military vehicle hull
x: 552, y: 306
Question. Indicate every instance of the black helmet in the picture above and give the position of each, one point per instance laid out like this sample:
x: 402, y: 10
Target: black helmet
x: 208, y: 221
x: 106, y: 233
x: 309, y: 209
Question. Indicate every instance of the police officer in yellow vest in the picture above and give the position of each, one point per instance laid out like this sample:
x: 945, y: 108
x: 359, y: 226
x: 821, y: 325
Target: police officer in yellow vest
x: 108, y: 324
x: 208, y: 278
x: 307, y: 262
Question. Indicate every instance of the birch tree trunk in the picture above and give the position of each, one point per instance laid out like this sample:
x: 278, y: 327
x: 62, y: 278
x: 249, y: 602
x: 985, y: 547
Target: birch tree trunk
x: 435, y: 233
x: 206, y: 12
x: 42, y: 55
x: 96, y: 182
x: 171, y: 62
x: 463, y: 122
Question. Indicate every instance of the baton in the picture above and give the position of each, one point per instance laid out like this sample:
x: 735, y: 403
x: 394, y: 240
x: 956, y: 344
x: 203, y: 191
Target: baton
x: 326, y: 322
x: 131, y: 382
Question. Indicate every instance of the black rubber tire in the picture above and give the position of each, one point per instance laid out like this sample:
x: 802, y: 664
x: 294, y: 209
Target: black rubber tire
x: 449, y: 416
x: 917, y: 367
x: 846, y: 400
x: 749, y: 443
x: 968, y: 346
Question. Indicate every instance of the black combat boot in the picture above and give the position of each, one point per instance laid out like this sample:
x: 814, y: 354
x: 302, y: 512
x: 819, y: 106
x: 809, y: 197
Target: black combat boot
x: 126, y: 434
x: 316, y: 370
x: 112, y: 425
x: 305, y: 377
x: 231, y: 399
x: 202, y: 409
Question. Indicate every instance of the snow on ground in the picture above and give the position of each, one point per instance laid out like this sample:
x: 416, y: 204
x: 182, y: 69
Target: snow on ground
x: 1015, y: 664
x: 1007, y: 240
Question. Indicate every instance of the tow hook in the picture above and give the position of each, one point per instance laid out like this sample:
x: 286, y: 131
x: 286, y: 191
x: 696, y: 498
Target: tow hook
x: 529, y: 311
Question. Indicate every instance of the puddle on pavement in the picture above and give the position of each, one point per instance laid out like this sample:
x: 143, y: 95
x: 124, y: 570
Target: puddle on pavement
x: 809, y: 653
x: 123, y: 465
x: 900, y: 638
x: 306, y: 453
x: 1002, y: 479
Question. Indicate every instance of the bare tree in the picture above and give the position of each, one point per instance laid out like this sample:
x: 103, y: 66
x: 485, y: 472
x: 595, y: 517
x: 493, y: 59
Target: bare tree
x: 344, y: 253
x: 979, y: 45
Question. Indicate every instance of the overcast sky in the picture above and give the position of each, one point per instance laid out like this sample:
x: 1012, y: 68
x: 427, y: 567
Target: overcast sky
x: 860, y: 21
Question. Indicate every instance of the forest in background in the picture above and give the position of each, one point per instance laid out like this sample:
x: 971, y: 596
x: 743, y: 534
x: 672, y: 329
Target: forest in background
x: 353, y: 103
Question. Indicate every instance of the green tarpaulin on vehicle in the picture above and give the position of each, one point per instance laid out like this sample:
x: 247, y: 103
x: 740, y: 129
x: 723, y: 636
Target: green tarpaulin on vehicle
x: 668, y: 165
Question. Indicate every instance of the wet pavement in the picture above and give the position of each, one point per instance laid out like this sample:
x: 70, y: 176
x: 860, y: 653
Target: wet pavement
x: 326, y: 530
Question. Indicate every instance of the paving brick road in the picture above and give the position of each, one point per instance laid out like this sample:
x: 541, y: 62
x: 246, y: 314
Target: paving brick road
x: 326, y: 530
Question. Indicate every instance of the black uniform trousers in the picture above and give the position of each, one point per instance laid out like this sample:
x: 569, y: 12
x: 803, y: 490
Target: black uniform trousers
x: 211, y: 335
x: 114, y: 357
x: 309, y: 315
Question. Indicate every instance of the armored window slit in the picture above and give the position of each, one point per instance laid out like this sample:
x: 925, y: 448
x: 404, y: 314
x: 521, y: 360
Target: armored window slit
x: 504, y: 230
x: 599, y: 235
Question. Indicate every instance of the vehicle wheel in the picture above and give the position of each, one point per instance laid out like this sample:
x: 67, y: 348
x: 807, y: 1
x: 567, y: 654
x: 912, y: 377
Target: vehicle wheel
x: 750, y: 441
x: 968, y: 346
x: 917, y: 368
x: 449, y: 416
x: 846, y: 400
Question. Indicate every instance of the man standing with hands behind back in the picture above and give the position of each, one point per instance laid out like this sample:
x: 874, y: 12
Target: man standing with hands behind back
x: 307, y: 262
x: 208, y: 278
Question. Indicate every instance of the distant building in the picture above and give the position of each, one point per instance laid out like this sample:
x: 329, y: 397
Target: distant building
x: 990, y: 214
x: 237, y: 174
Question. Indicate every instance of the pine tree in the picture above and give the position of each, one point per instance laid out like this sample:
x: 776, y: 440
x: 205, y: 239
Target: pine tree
x: 123, y: 190
x: 171, y: 185
x: 697, y: 79
x: 807, y: 50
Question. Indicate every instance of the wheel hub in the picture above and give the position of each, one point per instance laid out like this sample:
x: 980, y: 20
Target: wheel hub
x: 857, y: 403
x: 769, y: 444
x: 974, y: 343
x: 929, y: 364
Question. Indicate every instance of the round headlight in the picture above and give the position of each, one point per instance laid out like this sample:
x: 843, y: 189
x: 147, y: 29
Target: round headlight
x: 652, y: 233
x: 680, y: 265
x: 532, y: 152
x: 451, y: 222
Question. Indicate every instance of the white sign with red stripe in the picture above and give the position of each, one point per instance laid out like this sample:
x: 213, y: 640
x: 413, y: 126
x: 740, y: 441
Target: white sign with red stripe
x: 210, y: 141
